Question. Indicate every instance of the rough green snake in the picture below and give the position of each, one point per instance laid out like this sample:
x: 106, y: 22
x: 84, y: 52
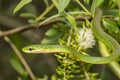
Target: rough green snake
x: 100, y: 35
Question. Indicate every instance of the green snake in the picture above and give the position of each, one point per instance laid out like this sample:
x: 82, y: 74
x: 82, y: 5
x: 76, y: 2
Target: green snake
x: 100, y: 35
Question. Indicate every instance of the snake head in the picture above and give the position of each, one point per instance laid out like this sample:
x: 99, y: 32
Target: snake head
x: 29, y: 49
x: 37, y: 48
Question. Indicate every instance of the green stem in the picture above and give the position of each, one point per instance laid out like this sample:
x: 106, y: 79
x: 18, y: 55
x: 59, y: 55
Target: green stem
x: 83, y: 7
x: 114, y: 66
x: 44, y: 13
x: 48, y: 19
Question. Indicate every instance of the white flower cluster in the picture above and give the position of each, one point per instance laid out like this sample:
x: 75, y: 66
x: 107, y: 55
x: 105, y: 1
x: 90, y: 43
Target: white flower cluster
x: 86, y: 38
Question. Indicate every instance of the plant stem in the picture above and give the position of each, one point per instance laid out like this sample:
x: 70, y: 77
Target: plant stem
x: 44, y: 13
x: 83, y: 7
x: 85, y: 72
x: 114, y: 66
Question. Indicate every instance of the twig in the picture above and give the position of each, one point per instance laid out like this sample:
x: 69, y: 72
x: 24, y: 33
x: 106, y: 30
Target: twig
x: 16, y: 30
x: 27, y: 27
x: 26, y: 66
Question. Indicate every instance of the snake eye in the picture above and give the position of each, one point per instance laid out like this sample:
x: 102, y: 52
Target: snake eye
x: 30, y: 49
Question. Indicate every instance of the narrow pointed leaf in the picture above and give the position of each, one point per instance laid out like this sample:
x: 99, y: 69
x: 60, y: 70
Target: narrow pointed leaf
x: 63, y: 4
x: 21, y: 4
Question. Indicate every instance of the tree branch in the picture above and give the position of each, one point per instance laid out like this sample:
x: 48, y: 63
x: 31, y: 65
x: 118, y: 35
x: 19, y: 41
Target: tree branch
x: 28, y: 27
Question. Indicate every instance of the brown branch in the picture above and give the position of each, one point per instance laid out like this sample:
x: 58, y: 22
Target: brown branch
x: 23, y: 61
x: 27, y: 27
x: 15, y: 30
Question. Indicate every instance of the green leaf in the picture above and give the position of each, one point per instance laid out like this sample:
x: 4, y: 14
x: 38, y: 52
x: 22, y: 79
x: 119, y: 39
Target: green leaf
x: 95, y: 4
x: 27, y: 15
x: 51, y: 39
x: 51, y: 32
x: 112, y: 3
x: 21, y: 4
x: 46, y: 2
x: 87, y: 1
x: 119, y: 19
x: 53, y: 77
x: 17, y: 66
x: 23, y: 76
x: 111, y: 26
x: 72, y: 22
x: 62, y: 5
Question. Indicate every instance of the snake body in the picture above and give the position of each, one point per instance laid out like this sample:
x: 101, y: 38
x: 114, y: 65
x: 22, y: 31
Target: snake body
x: 99, y: 33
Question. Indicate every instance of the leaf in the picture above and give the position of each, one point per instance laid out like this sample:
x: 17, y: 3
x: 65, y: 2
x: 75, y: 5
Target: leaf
x: 95, y: 4
x: 52, y: 36
x: 62, y: 5
x: 51, y: 32
x: 111, y: 26
x: 46, y: 2
x: 51, y: 39
x: 21, y: 4
x: 23, y: 76
x: 17, y: 66
x: 27, y: 15
x: 112, y: 3
x: 72, y: 22
x: 53, y: 77
x: 119, y: 20
x: 87, y: 1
